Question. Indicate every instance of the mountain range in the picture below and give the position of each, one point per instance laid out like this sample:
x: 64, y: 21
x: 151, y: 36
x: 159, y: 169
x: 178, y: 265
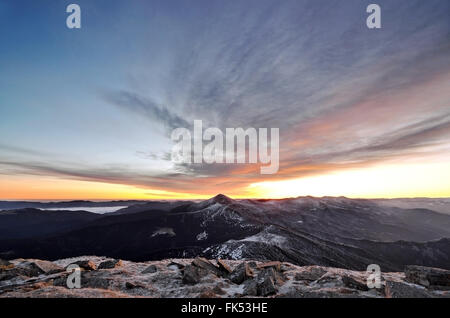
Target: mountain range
x: 328, y: 231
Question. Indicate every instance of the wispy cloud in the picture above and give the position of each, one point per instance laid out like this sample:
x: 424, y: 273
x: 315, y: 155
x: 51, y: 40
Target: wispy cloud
x: 342, y: 95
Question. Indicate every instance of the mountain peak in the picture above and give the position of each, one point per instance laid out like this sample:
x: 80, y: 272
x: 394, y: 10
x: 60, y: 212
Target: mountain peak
x: 222, y: 199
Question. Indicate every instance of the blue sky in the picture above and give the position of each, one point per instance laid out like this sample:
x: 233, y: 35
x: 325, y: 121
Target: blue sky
x: 97, y: 104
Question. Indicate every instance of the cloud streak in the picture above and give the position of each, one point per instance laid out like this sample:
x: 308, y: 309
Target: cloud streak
x: 343, y: 96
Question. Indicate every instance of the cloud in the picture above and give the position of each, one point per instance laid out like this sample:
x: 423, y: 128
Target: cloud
x: 342, y: 95
x: 147, y: 108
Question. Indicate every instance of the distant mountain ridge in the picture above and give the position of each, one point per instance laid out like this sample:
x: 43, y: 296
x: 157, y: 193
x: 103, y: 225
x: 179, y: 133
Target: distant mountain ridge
x: 10, y: 205
x: 338, y: 232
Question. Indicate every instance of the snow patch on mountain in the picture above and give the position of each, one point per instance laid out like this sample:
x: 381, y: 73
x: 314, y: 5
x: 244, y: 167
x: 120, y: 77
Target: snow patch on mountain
x: 164, y: 231
x: 202, y: 236
x: 266, y: 237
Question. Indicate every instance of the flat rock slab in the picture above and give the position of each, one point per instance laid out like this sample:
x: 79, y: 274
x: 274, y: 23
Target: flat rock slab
x: 427, y: 276
x: 354, y: 283
x: 86, y: 265
x: 311, y: 274
x: 224, y: 266
x: 110, y: 264
x: 275, y: 265
x: 403, y: 290
x: 131, y: 285
x: 33, y: 268
x: 207, y: 265
x: 150, y: 270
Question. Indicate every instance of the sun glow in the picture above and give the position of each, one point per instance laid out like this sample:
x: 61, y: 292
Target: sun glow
x: 49, y: 188
x: 383, y: 181
x: 386, y: 181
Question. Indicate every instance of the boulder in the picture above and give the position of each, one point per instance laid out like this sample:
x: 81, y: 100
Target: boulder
x: 252, y: 265
x: 61, y: 281
x: 266, y: 282
x: 241, y: 273
x: 310, y: 274
x: 224, y: 266
x: 47, y: 267
x: 427, y: 276
x: 354, y: 283
x: 95, y: 282
x: 130, y: 285
x: 286, y: 267
x: 9, y: 274
x: 86, y: 265
x: 208, y: 294
x: 218, y: 290
x: 330, y: 280
x: 250, y: 287
x: 404, y: 290
x: 193, y: 274
x: 175, y: 264
x: 110, y: 264
x: 275, y: 265
x: 150, y: 270
x: 33, y: 268
x: 207, y: 265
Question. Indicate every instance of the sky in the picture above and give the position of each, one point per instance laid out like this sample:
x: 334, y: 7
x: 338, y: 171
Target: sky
x: 87, y: 113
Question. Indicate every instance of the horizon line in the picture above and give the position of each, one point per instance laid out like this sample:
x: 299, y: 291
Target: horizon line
x: 192, y: 199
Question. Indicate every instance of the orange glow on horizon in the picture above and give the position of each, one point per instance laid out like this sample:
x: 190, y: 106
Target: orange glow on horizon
x: 382, y: 181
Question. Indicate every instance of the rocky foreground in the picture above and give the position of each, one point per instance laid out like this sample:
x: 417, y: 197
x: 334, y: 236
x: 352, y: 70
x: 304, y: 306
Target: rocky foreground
x: 103, y: 277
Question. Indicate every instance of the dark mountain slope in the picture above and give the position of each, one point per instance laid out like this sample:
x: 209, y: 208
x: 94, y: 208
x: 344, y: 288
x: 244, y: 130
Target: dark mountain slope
x: 32, y: 223
x: 138, y: 236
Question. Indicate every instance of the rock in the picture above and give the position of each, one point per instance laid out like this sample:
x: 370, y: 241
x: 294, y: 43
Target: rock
x: 193, y: 274
x: 240, y: 273
x: 286, y: 267
x: 252, y: 264
x: 327, y: 293
x: 175, y: 264
x: 218, y: 290
x: 207, y: 265
x: 130, y: 285
x: 39, y: 285
x: 9, y: 274
x: 110, y: 264
x: 208, y: 294
x: 353, y: 283
x: 95, y: 282
x: 310, y: 274
x: 61, y: 281
x: 47, y: 267
x: 330, y: 280
x: 4, y: 262
x: 275, y: 265
x: 224, y: 266
x: 4, y: 265
x: 266, y: 282
x: 86, y: 265
x: 32, y: 268
x: 427, y: 276
x: 403, y: 290
x: 250, y: 288
x: 150, y: 270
